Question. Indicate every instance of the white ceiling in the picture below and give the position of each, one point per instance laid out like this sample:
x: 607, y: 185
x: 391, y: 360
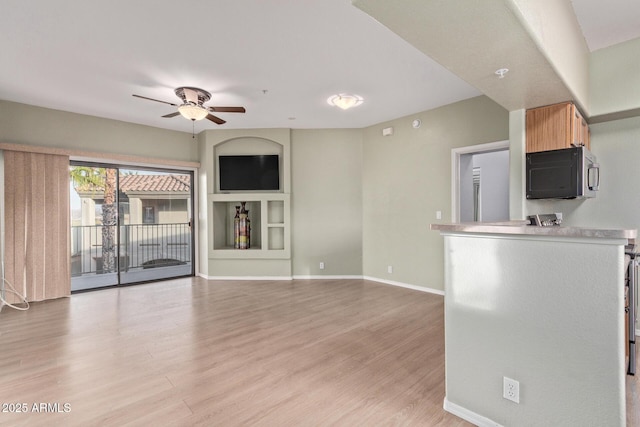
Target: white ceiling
x: 279, y: 59
x: 607, y: 22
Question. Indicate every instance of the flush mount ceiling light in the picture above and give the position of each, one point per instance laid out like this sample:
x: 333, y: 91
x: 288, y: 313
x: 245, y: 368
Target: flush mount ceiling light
x: 193, y: 111
x: 345, y: 101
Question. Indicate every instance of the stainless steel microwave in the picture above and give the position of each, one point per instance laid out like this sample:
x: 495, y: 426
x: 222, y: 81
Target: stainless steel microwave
x: 568, y: 173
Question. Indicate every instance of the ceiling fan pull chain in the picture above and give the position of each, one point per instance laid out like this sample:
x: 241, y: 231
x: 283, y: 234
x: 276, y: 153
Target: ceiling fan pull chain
x: 193, y: 130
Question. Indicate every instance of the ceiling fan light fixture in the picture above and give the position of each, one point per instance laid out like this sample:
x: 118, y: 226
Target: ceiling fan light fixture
x: 193, y: 112
x: 345, y: 101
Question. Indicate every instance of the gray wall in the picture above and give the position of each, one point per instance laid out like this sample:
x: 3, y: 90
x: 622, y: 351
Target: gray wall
x: 202, y: 241
x: 615, y: 78
x: 25, y: 124
x: 326, y: 202
x: 407, y: 178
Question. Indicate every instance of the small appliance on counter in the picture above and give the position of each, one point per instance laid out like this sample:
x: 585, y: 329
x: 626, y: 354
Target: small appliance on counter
x: 545, y: 220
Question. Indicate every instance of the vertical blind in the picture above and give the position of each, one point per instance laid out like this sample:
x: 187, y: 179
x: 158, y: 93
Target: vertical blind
x: 37, y: 225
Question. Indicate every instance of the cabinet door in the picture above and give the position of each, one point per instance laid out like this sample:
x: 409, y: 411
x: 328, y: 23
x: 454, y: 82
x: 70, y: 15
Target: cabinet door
x: 576, y: 127
x: 586, y: 134
x: 579, y: 129
x: 549, y: 127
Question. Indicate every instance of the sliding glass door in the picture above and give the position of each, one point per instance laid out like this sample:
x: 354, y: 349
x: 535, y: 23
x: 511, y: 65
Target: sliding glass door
x: 155, y: 225
x: 94, y: 237
x: 129, y: 225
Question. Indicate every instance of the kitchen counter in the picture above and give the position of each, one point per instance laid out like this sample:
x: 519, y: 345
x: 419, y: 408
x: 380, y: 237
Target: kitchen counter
x: 543, y: 306
x: 521, y: 227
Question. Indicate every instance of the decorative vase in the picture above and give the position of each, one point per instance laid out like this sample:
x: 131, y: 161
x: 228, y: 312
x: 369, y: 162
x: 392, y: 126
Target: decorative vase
x: 248, y: 231
x: 244, y: 225
x: 236, y: 229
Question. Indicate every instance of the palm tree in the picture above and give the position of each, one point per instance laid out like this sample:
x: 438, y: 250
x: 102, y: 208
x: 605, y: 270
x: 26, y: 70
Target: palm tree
x: 91, y: 178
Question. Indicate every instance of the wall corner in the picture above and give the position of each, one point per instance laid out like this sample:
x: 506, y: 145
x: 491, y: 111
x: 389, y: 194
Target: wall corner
x: 517, y: 151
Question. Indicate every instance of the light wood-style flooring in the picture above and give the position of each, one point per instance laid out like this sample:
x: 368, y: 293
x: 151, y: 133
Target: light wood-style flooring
x: 231, y: 353
x: 196, y: 352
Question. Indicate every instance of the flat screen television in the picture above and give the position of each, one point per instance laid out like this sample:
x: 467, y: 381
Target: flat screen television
x: 249, y: 173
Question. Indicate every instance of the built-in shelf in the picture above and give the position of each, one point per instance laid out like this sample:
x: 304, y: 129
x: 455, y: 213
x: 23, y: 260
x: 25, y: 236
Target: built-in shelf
x: 275, y: 211
x: 270, y: 225
x: 269, y: 211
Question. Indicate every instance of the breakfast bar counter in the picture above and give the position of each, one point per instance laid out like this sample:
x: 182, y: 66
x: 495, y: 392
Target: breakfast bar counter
x: 522, y: 228
x: 543, y: 306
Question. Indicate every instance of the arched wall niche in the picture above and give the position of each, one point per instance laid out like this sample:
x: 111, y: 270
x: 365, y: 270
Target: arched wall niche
x: 269, y: 211
x: 247, y: 146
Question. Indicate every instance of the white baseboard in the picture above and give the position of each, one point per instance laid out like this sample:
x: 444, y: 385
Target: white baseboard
x: 329, y: 277
x: 297, y: 277
x: 468, y: 415
x: 405, y: 285
x: 246, y: 277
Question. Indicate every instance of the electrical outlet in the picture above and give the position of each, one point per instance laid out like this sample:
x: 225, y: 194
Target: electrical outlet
x: 322, y: 266
x: 438, y: 214
x: 390, y: 269
x: 511, y: 389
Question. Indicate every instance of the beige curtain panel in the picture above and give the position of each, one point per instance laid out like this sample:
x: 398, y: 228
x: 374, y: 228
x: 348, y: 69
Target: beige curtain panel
x: 37, y: 225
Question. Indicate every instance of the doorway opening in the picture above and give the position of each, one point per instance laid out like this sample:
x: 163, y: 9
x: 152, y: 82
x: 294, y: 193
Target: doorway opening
x: 129, y: 225
x: 480, y: 183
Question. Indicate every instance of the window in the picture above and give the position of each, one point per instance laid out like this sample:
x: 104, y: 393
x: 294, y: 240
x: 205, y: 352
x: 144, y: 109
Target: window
x: 149, y: 215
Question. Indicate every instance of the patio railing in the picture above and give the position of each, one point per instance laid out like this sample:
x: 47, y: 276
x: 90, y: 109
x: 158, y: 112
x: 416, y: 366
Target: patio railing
x: 141, y: 246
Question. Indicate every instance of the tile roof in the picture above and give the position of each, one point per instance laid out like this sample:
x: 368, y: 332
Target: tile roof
x: 154, y: 183
x: 144, y: 184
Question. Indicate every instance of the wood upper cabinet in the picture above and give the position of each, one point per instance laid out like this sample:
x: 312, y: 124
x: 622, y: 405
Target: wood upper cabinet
x: 581, y: 133
x: 556, y: 126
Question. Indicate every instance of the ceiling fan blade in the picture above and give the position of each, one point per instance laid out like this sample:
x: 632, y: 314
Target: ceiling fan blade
x: 168, y: 116
x: 190, y: 95
x: 215, y: 119
x: 157, y: 100
x: 228, y: 109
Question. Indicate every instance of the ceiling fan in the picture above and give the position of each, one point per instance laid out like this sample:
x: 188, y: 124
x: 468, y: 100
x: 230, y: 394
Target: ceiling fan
x: 192, y: 107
